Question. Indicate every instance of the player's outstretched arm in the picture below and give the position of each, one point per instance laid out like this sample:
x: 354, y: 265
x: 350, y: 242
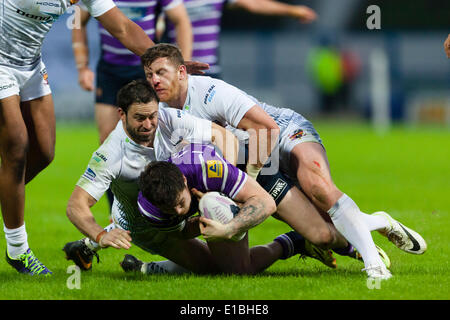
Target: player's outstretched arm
x: 79, y: 213
x: 126, y: 31
x: 270, y: 7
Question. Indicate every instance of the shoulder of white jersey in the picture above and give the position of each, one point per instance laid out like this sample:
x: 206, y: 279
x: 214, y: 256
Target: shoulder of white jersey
x: 97, y: 7
x: 168, y: 115
x: 111, y: 149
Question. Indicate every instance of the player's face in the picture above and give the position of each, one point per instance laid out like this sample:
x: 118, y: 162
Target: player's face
x: 182, y: 205
x: 165, y: 78
x: 141, y: 122
x: 184, y: 202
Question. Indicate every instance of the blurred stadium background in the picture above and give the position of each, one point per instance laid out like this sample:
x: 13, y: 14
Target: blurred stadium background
x: 272, y: 59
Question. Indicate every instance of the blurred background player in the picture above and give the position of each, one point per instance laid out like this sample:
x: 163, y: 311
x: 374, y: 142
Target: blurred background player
x: 447, y: 46
x: 27, y: 119
x: 117, y: 65
x: 206, y: 18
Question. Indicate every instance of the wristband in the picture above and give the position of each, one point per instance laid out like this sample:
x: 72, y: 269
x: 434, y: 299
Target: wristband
x: 99, y: 236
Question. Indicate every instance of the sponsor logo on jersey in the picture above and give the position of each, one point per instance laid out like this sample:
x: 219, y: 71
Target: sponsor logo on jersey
x: 101, y: 156
x: 215, y: 168
x: 50, y: 18
x: 89, y: 174
x: 298, y: 134
x: 278, y: 189
x: 48, y: 4
x: 6, y: 86
x: 210, y: 94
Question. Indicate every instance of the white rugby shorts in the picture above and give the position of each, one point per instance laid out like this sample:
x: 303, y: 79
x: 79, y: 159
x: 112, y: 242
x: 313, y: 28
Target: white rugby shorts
x: 298, y: 130
x: 27, y: 82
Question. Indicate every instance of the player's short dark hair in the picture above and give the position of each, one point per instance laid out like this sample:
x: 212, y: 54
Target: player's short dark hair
x: 161, y: 183
x: 136, y: 91
x: 162, y: 50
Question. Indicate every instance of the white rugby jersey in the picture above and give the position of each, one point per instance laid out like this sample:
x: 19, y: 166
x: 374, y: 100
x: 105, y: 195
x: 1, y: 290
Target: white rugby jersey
x: 119, y: 161
x: 25, y: 23
x: 215, y: 100
x: 226, y: 105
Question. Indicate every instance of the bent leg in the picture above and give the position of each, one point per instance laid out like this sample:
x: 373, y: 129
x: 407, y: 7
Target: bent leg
x: 237, y: 258
x: 14, y: 146
x: 311, y: 165
x: 298, y: 212
x: 39, y: 117
x: 192, y: 254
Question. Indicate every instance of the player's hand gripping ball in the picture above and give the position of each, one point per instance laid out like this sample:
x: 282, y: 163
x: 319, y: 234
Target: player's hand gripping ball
x: 215, y: 206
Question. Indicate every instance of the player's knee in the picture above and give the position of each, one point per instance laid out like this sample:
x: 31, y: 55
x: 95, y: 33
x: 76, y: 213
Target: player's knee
x: 324, y: 238
x: 14, y: 151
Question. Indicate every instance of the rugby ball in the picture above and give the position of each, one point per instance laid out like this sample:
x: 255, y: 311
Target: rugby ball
x: 215, y: 206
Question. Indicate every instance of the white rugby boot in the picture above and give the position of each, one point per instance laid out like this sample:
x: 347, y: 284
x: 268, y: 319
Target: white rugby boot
x: 403, y: 237
x: 378, y: 272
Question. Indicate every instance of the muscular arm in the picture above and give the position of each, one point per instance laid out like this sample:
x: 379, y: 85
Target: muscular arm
x: 183, y: 29
x: 79, y: 213
x: 226, y: 141
x: 263, y: 132
x: 126, y: 31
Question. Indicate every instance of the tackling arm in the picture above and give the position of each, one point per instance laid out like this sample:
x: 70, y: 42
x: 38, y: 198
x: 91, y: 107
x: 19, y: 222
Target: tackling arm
x: 79, y: 213
x: 263, y: 132
x: 226, y: 141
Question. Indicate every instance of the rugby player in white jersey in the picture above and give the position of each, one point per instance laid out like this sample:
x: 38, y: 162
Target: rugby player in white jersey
x: 27, y: 119
x: 301, y: 153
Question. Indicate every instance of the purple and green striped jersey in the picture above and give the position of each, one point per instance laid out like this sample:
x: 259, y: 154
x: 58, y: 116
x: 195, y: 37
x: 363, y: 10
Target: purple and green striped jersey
x: 204, y: 170
x: 143, y: 13
x: 205, y: 16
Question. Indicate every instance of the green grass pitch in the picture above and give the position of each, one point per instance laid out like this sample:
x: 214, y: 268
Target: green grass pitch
x: 405, y: 172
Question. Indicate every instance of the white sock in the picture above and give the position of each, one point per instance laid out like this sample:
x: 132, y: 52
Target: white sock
x: 349, y: 222
x: 375, y: 222
x: 166, y: 266
x: 16, y: 241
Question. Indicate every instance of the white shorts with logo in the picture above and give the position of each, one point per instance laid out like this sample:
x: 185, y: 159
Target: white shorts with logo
x: 28, y: 82
x: 298, y: 130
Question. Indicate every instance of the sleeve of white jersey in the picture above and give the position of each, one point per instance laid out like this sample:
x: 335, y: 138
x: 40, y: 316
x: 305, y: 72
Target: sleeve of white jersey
x: 98, y: 7
x: 229, y: 102
x: 186, y: 126
x: 97, y: 177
